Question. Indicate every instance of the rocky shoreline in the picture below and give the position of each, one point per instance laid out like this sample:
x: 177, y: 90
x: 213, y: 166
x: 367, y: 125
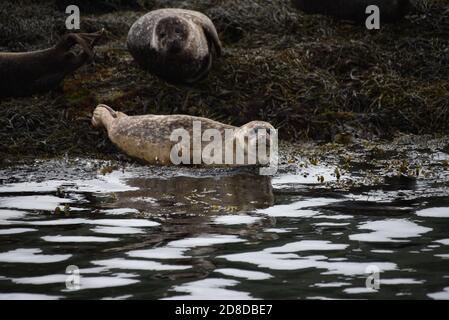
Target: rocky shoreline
x: 314, y: 78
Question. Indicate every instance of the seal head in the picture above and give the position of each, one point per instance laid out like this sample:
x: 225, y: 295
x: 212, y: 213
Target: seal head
x: 172, y: 35
x: 26, y: 73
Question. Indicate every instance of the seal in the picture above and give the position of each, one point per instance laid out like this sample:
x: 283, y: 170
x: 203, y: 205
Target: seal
x: 151, y: 139
x: 26, y: 73
x: 355, y: 10
x: 177, y: 45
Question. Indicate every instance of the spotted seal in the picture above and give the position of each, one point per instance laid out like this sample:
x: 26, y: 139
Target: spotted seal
x: 149, y: 137
x: 355, y: 10
x: 26, y: 73
x: 175, y: 44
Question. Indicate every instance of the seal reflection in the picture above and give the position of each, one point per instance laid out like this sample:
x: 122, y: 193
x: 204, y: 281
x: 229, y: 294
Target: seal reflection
x: 242, y: 192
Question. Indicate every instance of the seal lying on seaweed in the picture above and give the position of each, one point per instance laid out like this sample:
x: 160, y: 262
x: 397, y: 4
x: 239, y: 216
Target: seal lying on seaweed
x: 355, y: 10
x: 155, y: 138
x: 26, y: 73
x: 175, y: 44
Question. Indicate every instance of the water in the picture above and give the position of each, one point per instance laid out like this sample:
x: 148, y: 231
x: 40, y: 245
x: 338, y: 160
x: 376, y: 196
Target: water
x: 143, y: 232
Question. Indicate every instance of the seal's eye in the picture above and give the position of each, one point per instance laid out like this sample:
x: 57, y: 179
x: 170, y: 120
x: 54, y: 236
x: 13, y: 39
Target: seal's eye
x: 178, y: 31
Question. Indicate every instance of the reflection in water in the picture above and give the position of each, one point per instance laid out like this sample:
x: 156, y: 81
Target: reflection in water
x: 197, y: 195
x: 140, y: 232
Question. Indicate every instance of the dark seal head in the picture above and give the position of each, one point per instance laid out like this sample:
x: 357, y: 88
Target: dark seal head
x: 355, y: 10
x: 175, y: 44
x: 26, y: 73
x: 173, y: 35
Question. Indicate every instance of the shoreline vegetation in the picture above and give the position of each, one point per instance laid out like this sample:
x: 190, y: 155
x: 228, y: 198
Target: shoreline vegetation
x: 313, y: 77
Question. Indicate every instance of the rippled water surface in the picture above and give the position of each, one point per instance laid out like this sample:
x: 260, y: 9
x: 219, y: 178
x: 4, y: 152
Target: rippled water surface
x: 140, y: 232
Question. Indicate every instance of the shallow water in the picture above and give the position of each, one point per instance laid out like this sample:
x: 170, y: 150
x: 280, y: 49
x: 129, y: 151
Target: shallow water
x: 142, y: 232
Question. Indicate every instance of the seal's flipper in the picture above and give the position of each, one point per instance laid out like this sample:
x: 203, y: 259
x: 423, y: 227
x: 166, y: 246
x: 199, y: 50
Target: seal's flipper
x: 202, y: 73
x: 104, y: 116
x: 212, y: 37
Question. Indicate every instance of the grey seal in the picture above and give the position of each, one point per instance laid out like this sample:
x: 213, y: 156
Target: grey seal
x: 148, y: 137
x: 26, y: 73
x: 177, y: 45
